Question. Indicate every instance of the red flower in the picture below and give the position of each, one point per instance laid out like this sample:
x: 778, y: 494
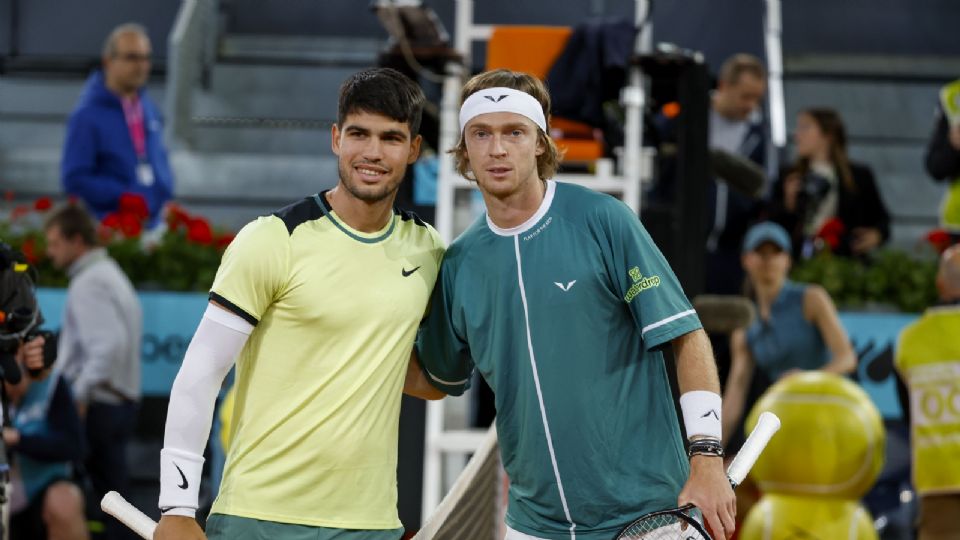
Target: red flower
x: 832, y: 232
x: 19, y: 211
x: 224, y: 240
x: 177, y: 217
x: 42, y: 204
x: 29, y: 249
x: 108, y: 226
x: 939, y: 239
x: 198, y: 231
x: 111, y: 221
x: 135, y: 204
x: 130, y: 225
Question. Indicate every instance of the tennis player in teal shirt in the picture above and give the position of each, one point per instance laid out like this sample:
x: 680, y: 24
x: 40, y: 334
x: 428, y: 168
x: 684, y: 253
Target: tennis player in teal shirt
x: 562, y: 302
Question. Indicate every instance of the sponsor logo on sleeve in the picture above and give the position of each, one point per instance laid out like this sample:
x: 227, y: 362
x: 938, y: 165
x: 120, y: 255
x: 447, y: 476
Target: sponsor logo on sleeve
x: 640, y: 283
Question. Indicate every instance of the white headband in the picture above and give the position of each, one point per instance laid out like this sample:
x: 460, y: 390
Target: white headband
x: 500, y: 99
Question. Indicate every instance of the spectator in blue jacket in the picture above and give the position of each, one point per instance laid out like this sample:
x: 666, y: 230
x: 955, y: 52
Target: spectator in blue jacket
x: 114, y: 136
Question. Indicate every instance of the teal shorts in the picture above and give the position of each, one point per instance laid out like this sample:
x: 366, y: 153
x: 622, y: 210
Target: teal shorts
x: 224, y: 527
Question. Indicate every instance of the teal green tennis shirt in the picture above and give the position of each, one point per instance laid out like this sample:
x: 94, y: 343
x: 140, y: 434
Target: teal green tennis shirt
x: 564, y: 316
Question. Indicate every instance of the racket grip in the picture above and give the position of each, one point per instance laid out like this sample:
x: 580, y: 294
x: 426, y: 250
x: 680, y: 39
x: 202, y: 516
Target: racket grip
x: 114, y: 504
x: 767, y: 425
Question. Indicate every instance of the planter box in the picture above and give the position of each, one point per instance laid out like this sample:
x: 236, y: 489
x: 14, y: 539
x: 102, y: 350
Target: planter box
x: 169, y: 321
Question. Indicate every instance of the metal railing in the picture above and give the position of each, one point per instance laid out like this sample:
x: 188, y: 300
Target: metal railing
x: 191, y: 48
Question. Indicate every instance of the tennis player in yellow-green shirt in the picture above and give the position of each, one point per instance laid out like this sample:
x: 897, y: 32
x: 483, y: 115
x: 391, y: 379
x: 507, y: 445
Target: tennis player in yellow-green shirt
x: 318, y: 304
x: 928, y: 359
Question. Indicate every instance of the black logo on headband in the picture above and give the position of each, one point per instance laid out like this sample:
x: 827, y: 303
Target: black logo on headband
x: 496, y: 99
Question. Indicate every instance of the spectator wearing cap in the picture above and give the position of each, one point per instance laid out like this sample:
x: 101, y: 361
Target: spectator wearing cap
x: 796, y: 327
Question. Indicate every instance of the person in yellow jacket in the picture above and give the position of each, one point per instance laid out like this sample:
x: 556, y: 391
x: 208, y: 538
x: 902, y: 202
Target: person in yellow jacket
x: 943, y: 156
x: 928, y: 360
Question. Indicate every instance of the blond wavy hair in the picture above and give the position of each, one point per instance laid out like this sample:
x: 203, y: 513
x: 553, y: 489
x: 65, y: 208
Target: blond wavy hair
x: 549, y: 161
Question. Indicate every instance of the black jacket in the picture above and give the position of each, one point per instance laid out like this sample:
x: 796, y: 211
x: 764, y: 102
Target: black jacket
x: 591, y: 69
x: 942, y: 160
x: 861, y: 208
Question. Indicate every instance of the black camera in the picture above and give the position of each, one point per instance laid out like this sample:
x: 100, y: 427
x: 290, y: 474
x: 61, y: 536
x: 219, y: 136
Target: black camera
x: 20, y: 316
x: 814, y: 192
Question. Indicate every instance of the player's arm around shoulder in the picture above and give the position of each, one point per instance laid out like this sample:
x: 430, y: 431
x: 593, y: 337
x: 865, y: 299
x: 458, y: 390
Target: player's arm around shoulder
x: 178, y: 528
x: 416, y: 384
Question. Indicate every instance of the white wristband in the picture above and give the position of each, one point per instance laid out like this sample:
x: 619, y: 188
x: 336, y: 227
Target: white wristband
x: 179, y: 482
x: 701, y: 413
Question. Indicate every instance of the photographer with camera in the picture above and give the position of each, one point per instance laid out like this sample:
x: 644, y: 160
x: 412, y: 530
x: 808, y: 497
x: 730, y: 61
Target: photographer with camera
x: 41, y: 430
x: 45, y: 440
x: 824, y: 194
x: 99, y: 348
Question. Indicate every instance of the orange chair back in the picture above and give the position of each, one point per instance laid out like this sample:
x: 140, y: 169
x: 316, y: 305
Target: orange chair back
x: 533, y: 50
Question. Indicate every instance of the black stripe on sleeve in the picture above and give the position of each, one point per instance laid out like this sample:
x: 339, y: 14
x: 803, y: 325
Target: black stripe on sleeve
x: 407, y: 215
x: 233, y: 308
x: 302, y: 211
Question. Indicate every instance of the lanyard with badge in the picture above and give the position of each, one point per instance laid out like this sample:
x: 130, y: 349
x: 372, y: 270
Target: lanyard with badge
x: 133, y: 113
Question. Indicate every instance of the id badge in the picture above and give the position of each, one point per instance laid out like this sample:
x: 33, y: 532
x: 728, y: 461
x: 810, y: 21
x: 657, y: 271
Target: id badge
x: 145, y: 173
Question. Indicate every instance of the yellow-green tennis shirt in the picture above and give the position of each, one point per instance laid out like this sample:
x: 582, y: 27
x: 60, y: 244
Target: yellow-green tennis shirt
x: 928, y: 357
x: 319, y: 382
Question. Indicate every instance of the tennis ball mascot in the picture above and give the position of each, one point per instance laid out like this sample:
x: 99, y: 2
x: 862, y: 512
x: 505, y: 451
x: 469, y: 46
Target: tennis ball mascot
x: 827, y: 455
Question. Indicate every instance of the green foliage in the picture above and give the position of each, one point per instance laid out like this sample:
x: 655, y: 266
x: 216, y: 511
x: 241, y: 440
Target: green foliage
x: 174, y: 264
x: 184, y: 258
x: 890, y: 278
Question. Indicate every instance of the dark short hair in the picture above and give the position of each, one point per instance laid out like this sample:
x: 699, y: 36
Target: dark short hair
x: 382, y: 91
x: 73, y: 221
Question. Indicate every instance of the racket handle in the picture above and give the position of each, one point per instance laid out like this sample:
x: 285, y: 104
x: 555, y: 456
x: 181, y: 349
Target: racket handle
x: 114, y: 504
x: 767, y: 425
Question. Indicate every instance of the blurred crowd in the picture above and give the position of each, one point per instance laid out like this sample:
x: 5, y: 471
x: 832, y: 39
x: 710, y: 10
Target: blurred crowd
x: 68, y: 431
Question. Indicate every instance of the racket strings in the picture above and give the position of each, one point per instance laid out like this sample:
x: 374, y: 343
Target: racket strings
x: 664, y: 526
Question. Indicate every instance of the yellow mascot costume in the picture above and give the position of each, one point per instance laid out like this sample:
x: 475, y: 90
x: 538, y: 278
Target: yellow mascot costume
x: 825, y: 458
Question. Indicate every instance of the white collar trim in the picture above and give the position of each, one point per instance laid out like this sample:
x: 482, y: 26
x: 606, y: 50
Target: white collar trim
x: 533, y: 220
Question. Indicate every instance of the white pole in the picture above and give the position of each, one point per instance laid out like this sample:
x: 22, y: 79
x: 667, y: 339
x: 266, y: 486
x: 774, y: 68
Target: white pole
x: 446, y: 200
x: 634, y: 99
x: 449, y: 134
x: 432, y: 461
x: 774, y: 36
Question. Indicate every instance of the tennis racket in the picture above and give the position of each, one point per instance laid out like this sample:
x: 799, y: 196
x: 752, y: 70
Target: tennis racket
x: 115, y: 505
x: 682, y: 523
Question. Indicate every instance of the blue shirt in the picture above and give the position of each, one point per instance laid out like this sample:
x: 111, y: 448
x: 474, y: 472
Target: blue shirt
x: 99, y: 161
x: 50, y: 435
x: 787, y: 340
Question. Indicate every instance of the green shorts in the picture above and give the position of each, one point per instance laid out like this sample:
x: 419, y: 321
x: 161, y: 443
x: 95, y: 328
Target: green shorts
x: 224, y: 527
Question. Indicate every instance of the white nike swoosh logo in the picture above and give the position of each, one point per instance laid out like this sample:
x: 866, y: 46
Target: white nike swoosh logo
x: 565, y: 288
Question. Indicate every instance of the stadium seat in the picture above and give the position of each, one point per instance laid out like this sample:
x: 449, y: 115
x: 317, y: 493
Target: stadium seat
x: 534, y: 49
